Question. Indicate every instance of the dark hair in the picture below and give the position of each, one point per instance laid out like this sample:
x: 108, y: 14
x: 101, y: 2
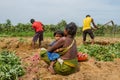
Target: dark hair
x: 88, y: 15
x: 71, y: 29
x: 59, y: 32
x: 32, y: 20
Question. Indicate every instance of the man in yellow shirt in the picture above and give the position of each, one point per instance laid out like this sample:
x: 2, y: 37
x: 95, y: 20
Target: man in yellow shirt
x: 87, y: 29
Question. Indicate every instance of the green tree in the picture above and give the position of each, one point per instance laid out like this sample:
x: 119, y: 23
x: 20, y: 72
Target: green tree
x: 8, y: 23
x: 61, y: 25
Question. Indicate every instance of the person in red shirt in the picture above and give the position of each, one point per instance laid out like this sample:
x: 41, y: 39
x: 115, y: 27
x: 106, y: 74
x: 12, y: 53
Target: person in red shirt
x: 38, y: 27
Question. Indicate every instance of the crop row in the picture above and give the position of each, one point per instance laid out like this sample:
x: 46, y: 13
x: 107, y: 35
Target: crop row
x: 100, y: 52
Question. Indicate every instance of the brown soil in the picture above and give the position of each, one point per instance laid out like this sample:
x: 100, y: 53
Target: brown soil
x: 36, y: 69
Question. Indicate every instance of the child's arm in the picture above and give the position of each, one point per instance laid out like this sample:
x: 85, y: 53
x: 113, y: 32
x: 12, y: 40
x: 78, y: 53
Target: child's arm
x: 59, y: 50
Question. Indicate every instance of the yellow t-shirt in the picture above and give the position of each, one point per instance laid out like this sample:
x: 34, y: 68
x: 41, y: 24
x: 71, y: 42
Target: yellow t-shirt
x: 87, y: 23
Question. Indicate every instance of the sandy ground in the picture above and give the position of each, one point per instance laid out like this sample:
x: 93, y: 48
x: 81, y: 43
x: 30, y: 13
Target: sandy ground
x: 36, y: 69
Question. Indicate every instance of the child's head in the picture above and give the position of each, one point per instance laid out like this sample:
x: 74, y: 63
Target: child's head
x: 70, y: 29
x: 58, y: 34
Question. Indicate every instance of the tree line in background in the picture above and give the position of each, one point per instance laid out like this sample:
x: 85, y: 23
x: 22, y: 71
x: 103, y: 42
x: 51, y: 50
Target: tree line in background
x: 7, y: 29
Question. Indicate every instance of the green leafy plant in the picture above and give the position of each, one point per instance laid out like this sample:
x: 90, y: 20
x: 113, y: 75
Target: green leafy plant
x: 100, y: 52
x: 10, y: 66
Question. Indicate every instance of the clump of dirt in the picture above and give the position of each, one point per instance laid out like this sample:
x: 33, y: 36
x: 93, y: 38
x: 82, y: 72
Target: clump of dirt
x: 20, y: 44
x: 36, y: 69
x: 100, y: 42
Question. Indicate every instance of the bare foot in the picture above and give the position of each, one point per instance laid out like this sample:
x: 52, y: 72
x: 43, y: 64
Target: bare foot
x: 51, y: 69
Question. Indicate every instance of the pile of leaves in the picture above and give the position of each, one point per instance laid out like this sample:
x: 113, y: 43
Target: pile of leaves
x: 10, y: 66
x: 100, y: 52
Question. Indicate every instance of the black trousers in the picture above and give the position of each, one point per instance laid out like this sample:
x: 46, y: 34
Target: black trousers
x: 88, y: 31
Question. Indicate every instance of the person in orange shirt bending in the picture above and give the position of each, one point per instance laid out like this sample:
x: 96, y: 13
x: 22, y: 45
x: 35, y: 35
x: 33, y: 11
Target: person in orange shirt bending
x: 87, y: 29
x: 38, y: 27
